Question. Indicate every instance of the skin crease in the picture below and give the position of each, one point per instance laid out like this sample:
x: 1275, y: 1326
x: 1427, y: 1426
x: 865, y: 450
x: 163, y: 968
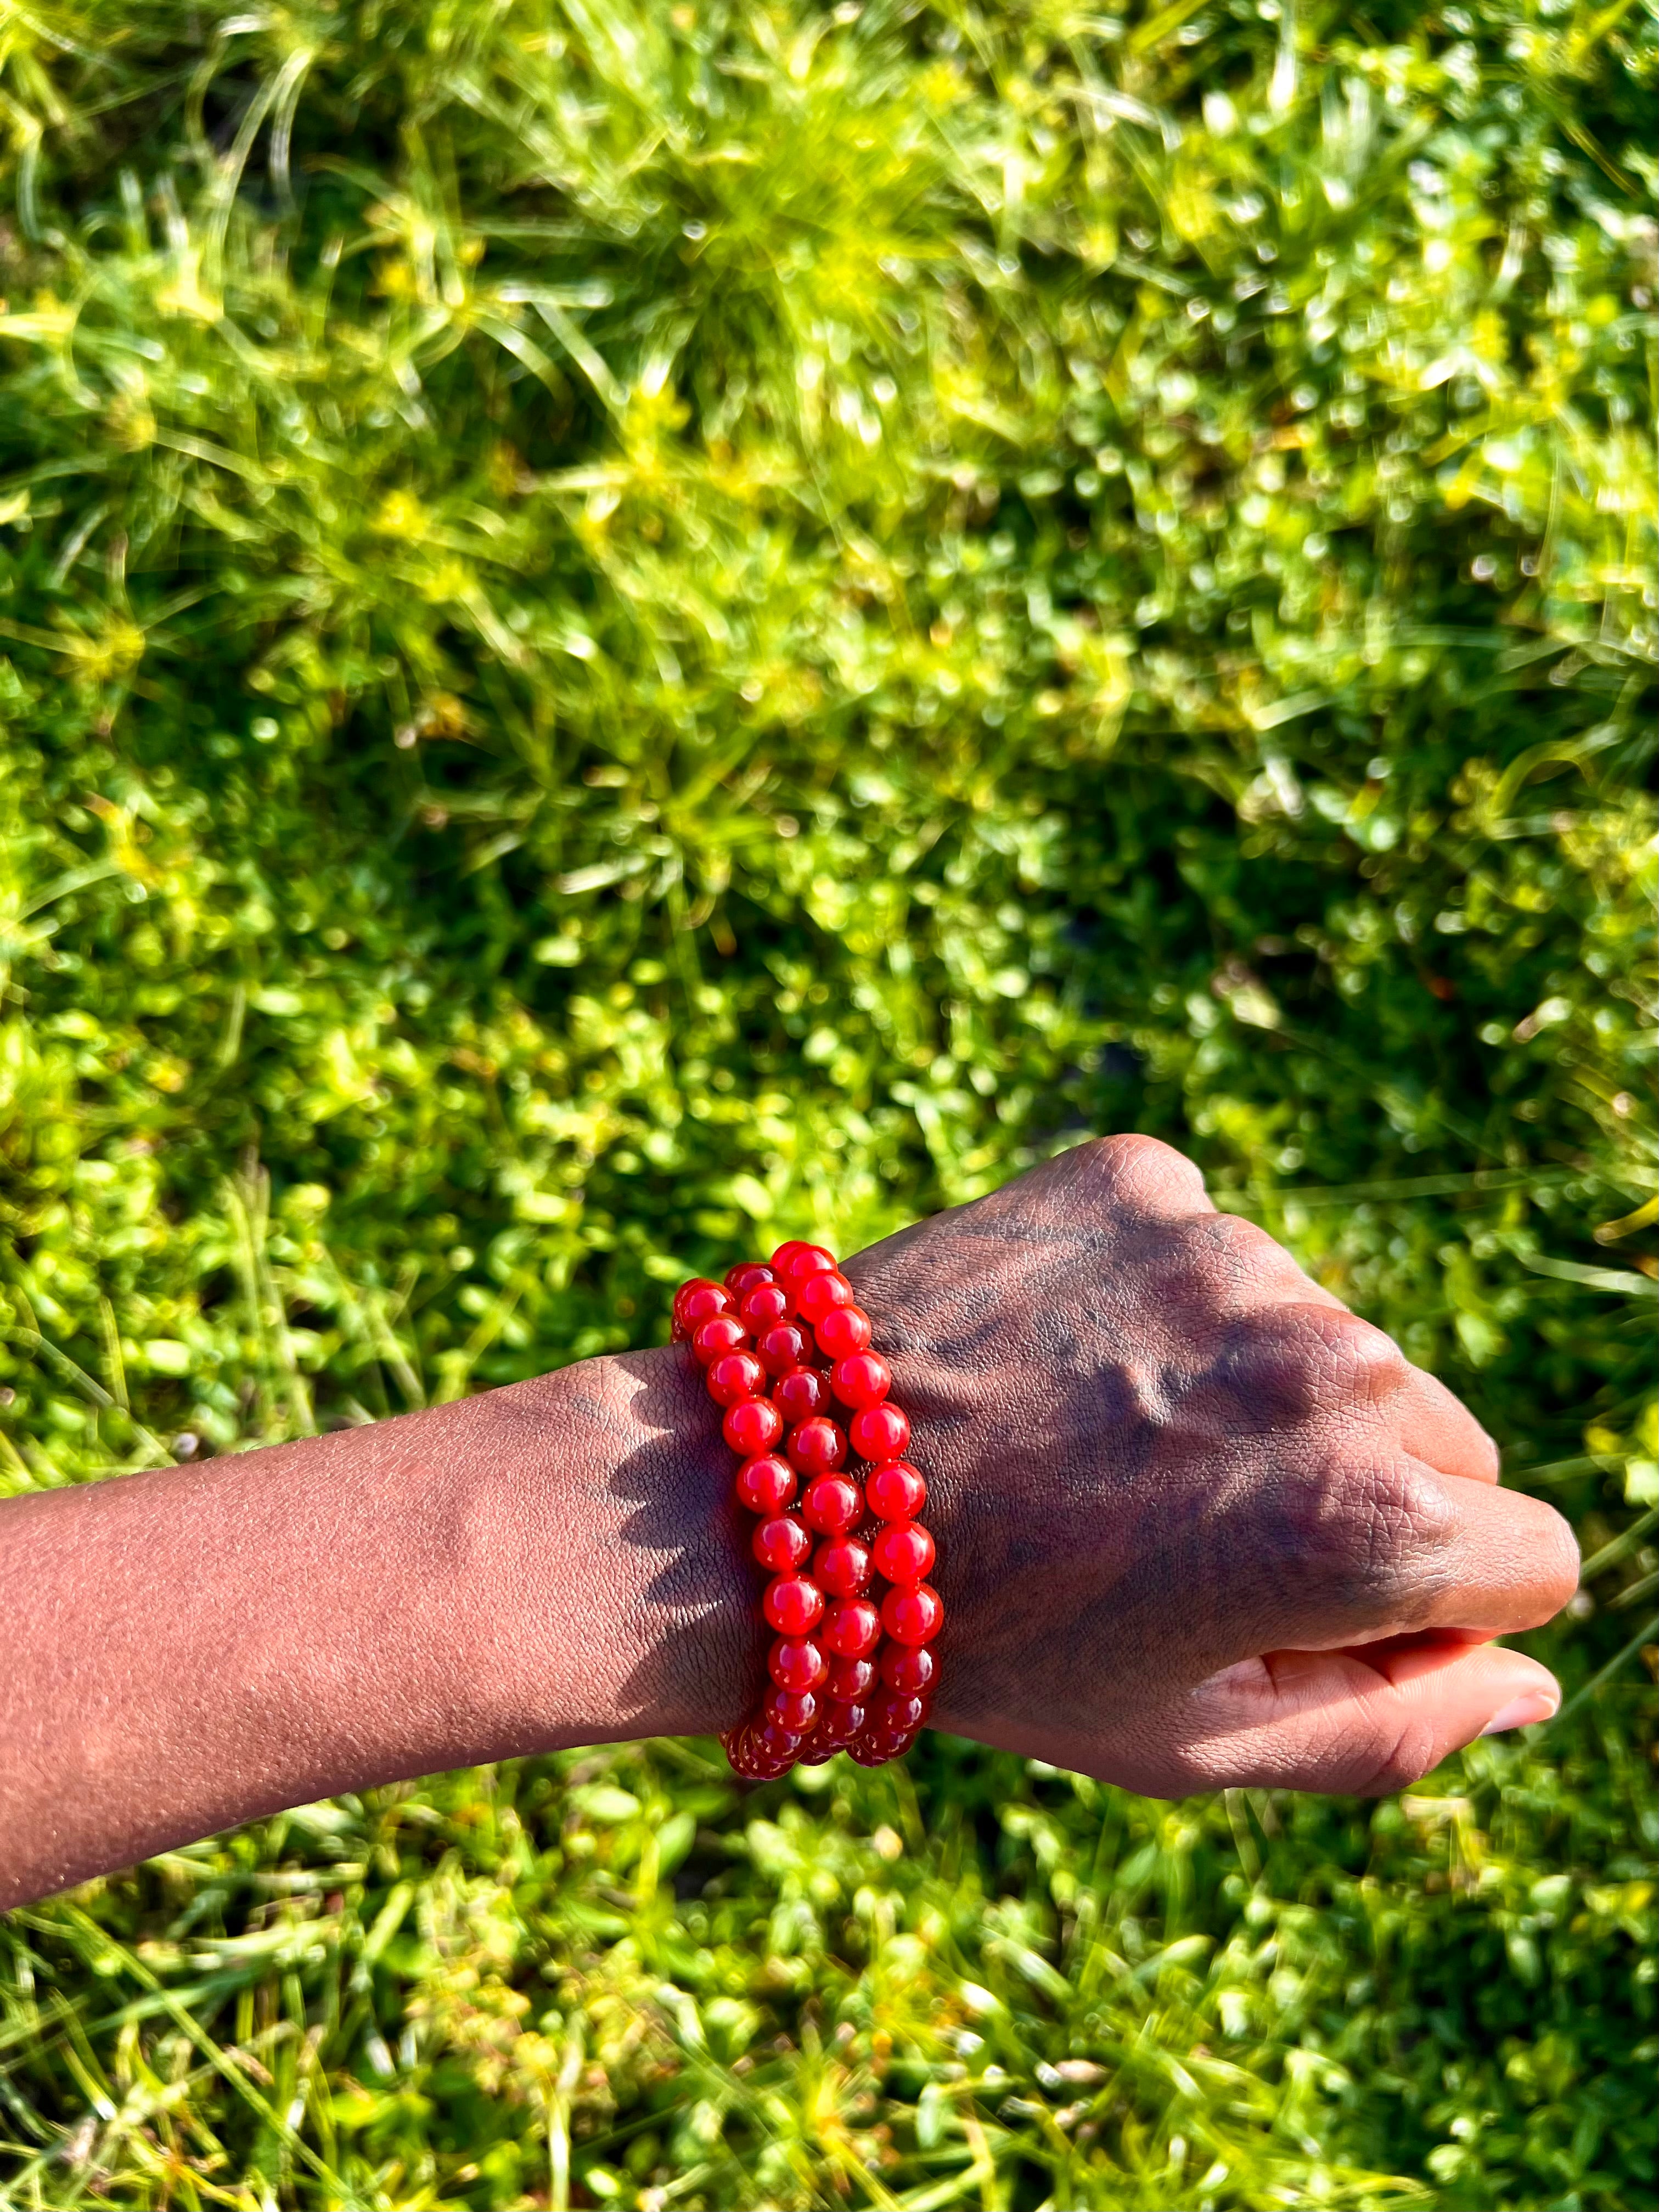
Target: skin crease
x: 1198, y: 1526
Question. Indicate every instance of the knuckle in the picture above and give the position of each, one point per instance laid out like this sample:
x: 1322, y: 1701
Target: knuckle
x: 1369, y: 1362
x: 1335, y: 1360
x: 1303, y: 1362
x: 1149, y: 1165
x: 1409, y: 1752
x: 1401, y: 1521
x: 1129, y: 1148
x: 1381, y: 1528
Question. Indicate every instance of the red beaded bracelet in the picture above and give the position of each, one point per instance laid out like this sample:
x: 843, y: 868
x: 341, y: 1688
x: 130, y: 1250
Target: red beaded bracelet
x: 852, y: 1613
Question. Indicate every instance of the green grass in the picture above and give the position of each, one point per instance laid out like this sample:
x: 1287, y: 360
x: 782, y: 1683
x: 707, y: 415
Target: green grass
x: 631, y: 630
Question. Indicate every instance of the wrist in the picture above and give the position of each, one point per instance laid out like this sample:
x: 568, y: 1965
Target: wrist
x: 625, y: 1570
x: 944, y: 1397
x: 786, y: 1350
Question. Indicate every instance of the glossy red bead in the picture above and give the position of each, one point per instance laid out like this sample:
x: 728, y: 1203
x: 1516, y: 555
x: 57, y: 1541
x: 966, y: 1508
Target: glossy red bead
x: 896, y: 1492
x: 816, y: 1296
x: 793, y: 1605
x: 800, y: 1394
x: 839, y: 1722
x: 908, y: 1667
x: 899, y: 1711
x: 864, y: 1753
x: 843, y: 1329
x: 863, y: 1378
x: 815, y: 1751
x: 742, y: 1278
x: 795, y: 1663
x: 785, y: 1253
x: 723, y: 1333
x: 795, y: 1709
x: 753, y: 1424
x: 766, y: 1303
x: 884, y: 1744
x: 879, y: 1432
x: 767, y: 1484
x: 831, y: 1503
x: 806, y: 1260
x: 902, y: 1552
x: 842, y: 1567
x: 781, y: 1544
x: 784, y: 1346
x: 776, y: 1742
x: 737, y: 1750
x: 849, y: 1678
x: 817, y: 1446
x: 734, y: 1375
x: 850, y: 1627
x: 698, y: 1301
x: 913, y: 1612
x: 747, y: 1758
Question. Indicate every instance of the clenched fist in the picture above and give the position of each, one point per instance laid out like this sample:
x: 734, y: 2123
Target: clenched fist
x: 1197, y: 1523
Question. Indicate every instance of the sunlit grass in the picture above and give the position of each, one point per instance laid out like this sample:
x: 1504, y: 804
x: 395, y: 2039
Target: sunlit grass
x: 627, y: 631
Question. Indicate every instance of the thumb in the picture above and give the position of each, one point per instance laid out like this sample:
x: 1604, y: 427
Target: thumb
x: 1365, y: 1721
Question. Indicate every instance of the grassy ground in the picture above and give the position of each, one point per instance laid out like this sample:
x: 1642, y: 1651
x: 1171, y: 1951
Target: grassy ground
x: 631, y: 630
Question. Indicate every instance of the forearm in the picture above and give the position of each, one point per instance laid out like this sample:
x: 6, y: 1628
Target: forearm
x: 543, y: 1566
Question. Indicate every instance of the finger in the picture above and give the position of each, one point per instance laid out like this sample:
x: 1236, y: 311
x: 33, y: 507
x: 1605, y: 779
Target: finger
x: 1387, y: 1545
x: 1310, y: 1359
x: 1299, y: 1362
x: 1360, y: 1723
x: 1364, y: 1369
x: 1436, y: 1426
x: 1504, y: 1562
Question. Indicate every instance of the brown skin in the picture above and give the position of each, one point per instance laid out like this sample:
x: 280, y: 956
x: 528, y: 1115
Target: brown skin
x: 1198, y: 1525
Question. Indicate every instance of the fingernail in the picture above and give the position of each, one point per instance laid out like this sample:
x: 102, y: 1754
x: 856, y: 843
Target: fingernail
x: 1523, y: 1711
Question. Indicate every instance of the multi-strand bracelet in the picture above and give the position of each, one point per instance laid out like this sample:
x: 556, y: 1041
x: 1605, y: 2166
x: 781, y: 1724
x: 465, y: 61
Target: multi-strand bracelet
x: 852, y: 1611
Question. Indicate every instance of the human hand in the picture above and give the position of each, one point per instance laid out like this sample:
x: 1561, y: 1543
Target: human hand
x: 1199, y: 1524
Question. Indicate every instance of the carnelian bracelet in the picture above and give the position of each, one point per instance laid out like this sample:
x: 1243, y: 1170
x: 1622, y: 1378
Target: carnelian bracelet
x: 853, y: 1613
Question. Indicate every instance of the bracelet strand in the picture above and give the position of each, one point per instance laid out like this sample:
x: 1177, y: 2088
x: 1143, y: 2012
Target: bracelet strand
x: 851, y: 1665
